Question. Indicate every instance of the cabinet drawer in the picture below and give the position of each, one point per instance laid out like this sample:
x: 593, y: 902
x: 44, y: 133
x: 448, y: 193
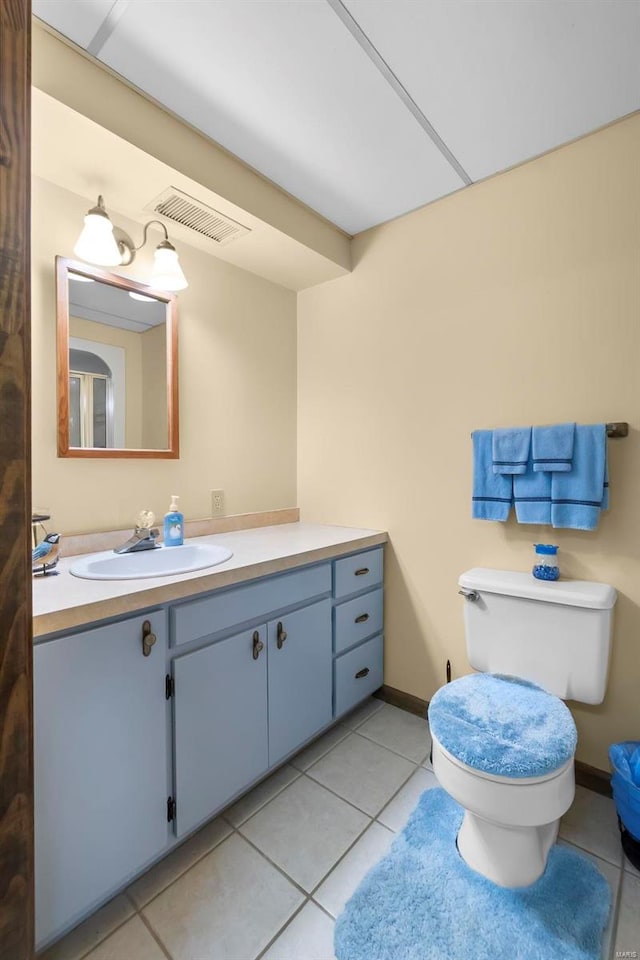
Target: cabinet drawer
x: 357, y: 674
x: 357, y: 619
x: 204, y: 618
x: 360, y: 572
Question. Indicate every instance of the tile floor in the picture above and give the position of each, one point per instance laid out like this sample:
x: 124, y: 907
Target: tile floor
x: 268, y: 877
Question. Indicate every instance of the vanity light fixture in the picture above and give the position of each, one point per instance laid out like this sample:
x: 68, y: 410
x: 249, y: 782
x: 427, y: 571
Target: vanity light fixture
x: 97, y: 244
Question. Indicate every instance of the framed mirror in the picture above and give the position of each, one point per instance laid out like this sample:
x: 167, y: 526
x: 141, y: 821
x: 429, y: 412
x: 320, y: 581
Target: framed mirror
x: 117, y: 366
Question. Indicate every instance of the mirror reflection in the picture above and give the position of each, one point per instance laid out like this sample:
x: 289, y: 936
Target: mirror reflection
x: 118, y: 368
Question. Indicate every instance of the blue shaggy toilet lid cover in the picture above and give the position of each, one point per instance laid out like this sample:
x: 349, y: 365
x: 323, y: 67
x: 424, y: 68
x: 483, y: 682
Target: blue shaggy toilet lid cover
x: 503, y: 725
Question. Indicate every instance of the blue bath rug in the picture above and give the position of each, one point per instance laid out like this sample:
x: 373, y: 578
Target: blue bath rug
x: 422, y: 902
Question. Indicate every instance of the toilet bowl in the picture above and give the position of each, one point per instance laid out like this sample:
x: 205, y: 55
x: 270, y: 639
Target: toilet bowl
x: 503, y: 748
x: 503, y: 739
x: 509, y: 824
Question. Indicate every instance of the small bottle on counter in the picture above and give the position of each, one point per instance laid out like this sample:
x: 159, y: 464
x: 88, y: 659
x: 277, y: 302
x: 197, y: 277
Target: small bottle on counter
x: 173, y: 524
x: 546, y: 566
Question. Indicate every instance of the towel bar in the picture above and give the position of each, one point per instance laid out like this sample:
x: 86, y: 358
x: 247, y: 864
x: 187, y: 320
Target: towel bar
x: 617, y: 429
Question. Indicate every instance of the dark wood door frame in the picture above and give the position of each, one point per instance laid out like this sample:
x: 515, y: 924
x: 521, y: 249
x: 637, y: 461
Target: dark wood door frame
x: 16, y: 724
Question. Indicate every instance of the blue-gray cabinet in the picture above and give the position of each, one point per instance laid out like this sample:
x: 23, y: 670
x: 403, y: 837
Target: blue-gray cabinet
x: 299, y: 670
x: 220, y: 717
x: 357, y: 629
x: 134, y: 752
x: 100, y: 748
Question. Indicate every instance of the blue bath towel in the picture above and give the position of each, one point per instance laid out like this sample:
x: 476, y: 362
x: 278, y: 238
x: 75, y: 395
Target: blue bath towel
x: 492, y: 492
x: 532, y: 496
x: 552, y: 448
x: 578, y: 497
x: 511, y: 450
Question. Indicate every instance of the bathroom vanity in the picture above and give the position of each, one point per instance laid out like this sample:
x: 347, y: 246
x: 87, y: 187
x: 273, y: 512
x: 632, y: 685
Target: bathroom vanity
x: 152, y: 720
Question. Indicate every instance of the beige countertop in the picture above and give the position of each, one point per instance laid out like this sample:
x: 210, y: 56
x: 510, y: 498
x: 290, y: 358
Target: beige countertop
x: 64, y: 601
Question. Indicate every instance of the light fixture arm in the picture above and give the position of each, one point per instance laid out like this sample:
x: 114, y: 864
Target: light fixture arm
x: 146, y: 228
x: 130, y: 251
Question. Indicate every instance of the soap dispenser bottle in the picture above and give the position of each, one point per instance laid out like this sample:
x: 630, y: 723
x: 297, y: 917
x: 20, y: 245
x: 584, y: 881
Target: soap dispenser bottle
x: 173, y: 524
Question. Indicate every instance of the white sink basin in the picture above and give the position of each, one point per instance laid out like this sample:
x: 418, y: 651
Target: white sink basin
x: 161, y: 562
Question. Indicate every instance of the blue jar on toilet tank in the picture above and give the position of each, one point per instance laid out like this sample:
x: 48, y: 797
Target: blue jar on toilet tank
x: 546, y: 566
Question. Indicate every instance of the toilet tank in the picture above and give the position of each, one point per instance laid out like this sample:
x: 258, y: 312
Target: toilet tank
x: 555, y: 634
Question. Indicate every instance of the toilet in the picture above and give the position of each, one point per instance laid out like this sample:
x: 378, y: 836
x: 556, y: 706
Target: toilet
x: 503, y: 739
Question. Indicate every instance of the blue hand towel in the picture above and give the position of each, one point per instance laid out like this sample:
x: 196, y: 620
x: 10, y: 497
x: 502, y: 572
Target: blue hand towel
x: 532, y: 496
x: 552, y: 448
x: 578, y: 497
x: 492, y: 492
x: 511, y: 450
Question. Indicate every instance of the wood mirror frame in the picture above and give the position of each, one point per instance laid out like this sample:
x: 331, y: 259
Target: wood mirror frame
x: 63, y: 267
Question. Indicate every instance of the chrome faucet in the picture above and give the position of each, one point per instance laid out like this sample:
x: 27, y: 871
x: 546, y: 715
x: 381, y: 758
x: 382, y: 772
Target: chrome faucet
x: 144, y: 535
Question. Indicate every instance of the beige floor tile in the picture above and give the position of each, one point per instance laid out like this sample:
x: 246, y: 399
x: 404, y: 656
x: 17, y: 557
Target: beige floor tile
x: 628, y: 931
x: 229, y: 905
x: 612, y: 875
x: 362, y: 772
x: 309, y: 936
x: 362, y: 713
x: 403, y: 732
x: 592, y: 824
x: 89, y: 933
x: 395, y: 814
x: 346, y: 876
x: 319, y: 747
x: 155, y: 880
x: 246, y: 806
x: 131, y: 942
x: 305, y: 830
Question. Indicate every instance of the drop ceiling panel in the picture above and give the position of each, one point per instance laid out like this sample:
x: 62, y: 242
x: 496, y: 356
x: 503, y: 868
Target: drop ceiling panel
x: 77, y: 19
x: 284, y: 86
x: 502, y: 82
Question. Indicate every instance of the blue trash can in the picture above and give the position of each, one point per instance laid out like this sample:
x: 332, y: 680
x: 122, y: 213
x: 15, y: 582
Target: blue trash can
x: 625, y: 783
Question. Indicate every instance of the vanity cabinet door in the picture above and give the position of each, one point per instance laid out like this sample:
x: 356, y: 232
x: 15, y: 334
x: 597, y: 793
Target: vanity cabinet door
x: 300, y: 664
x: 220, y: 715
x: 101, y: 766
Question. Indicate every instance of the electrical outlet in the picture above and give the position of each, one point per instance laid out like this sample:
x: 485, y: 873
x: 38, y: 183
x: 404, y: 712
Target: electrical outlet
x: 217, y: 503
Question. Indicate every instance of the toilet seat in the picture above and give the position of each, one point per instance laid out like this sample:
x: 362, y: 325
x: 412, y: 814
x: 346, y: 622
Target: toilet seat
x: 503, y: 727
x: 496, y: 778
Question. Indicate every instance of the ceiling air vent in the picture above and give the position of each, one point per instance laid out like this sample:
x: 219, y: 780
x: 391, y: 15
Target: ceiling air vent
x: 185, y: 210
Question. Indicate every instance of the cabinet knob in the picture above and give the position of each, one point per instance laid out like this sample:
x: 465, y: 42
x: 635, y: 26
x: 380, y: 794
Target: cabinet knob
x: 362, y: 618
x: 362, y: 673
x: 258, y: 645
x: 148, y: 638
x: 281, y: 636
x: 362, y: 571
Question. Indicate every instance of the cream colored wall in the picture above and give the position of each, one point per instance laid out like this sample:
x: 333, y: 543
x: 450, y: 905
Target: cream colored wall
x: 237, y: 362
x: 515, y: 301
x: 131, y: 343
x: 155, y: 430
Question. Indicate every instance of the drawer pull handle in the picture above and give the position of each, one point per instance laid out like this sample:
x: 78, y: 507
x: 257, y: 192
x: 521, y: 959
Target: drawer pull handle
x: 148, y: 638
x: 362, y: 618
x: 362, y: 673
x: 281, y: 636
x: 258, y: 645
x: 362, y: 571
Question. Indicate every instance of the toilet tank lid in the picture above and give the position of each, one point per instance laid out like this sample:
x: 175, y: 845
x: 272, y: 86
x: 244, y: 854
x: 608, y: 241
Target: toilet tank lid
x: 509, y: 583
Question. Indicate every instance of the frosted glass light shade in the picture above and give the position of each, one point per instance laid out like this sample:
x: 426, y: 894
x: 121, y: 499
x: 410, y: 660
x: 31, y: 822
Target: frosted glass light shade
x: 96, y: 243
x: 167, y: 273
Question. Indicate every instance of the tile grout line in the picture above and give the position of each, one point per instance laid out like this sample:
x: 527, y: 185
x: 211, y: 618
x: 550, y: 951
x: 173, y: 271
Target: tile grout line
x: 283, y: 928
x: 144, y: 906
x: 155, y: 935
x: 95, y: 945
x: 593, y: 854
x: 262, y: 805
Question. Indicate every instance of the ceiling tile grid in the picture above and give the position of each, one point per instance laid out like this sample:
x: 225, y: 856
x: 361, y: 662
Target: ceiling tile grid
x: 365, y: 109
x: 502, y: 82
